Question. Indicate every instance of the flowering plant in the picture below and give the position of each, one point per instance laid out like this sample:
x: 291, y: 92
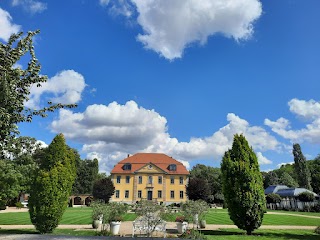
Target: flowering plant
x: 180, y: 219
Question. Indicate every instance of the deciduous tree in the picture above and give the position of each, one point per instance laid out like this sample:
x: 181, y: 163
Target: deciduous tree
x: 198, y: 188
x: 243, y: 186
x: 103, y: 189
x: 15, y: 84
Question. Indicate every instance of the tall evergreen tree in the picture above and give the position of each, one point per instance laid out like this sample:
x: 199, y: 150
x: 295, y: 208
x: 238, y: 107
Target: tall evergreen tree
x: 52, y: 185
x: 243, y: 186
x: 301, y: 167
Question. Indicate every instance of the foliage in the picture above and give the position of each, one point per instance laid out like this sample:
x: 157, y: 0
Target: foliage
x: 52, y: 186
x: 286, y: 179
x: 273, y: 198
x: 198, y: 188
x: 15, y: 84
x: 180, y: 219
x: 301, y: 167
x: 270, y: 178
x: 19, y: 205
x: 317, y: 230
x: 87, y: 174
x: 152, y: 214
x: 195, y: 210
x: 213, y: 176
x: 116, y: 211
x: 9, y: 180
x: 306, y: 197
x: 103, y: 189
x: 314, y: 166
x: 243, y: 185
x: 3, y: 205
x: 193, y: 234
x: 315, y: 208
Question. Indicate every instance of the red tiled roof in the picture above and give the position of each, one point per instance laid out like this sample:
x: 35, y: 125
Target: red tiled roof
x: 158, y: 159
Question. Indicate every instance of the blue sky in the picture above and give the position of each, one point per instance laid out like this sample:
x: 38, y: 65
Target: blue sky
x: 178, y: 77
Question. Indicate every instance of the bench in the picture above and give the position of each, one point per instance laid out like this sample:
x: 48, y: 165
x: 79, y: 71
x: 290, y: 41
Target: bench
x: 141, y: 226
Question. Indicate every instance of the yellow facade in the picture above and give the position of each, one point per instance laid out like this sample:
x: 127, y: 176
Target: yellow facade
x: 149, y: 183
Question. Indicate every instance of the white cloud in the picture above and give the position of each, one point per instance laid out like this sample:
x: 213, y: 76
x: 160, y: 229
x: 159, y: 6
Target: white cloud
x: 6, y: 25
x: 31, y: 6
x: 310, y: 111
x: 66, y: 88
x: 169, y: 26
x: 262, y: 159
x: 110, y: 132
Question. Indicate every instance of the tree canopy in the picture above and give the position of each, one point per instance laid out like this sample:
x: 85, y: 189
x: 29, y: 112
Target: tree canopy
x: 15, y: 85
x: 103, y: 189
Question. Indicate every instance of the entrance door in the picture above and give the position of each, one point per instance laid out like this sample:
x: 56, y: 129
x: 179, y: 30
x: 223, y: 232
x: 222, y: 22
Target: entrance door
x: 149, y: 195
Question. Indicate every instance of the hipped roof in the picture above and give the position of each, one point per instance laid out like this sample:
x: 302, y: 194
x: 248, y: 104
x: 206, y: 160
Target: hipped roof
x: 160, y: 160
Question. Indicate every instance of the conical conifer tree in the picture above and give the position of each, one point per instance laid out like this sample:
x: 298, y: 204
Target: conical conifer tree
x: 301, y: 167
x: 52, y: 185
x: 243, y: 185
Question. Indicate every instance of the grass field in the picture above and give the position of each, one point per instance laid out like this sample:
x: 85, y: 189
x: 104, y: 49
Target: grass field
x: 225, y: 234
x: 216, y: 216
x: 71, y: 216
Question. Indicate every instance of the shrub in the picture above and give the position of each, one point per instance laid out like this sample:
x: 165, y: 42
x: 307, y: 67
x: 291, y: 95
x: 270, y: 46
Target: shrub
x: 3, y: 205
x: 180, y: 219
x: 19, y: 205
x: 317, y: 230
x: 315, y: 208
x: 193, y: 234
x: 273, y: 198
x: 306, y: 197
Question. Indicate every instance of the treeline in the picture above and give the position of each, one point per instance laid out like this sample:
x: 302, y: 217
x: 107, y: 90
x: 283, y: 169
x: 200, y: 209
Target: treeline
x: 20, y: 163
x: 206, y: 182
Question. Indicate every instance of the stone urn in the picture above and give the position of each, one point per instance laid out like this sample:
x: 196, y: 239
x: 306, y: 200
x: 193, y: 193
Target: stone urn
x: 96, y: 224
x: 182, y: 227
x: 115, y: 227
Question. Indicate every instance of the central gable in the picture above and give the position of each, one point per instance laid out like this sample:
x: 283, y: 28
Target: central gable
x: 150, y: 168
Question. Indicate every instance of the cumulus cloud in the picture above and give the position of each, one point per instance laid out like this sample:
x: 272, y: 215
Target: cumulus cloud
x: 6, y: 25
x: 169, y: 26
x: 65, y: 87
x: 309, y: 111
x: 262, y: 159
x: 110, y: 132
x: 31, y: 6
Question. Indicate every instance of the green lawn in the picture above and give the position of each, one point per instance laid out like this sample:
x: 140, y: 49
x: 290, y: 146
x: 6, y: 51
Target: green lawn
x: 71, y: 216
x: 215, y: 216
x: 225, y: 234
x: 298, y: 213
x: 221, y: 216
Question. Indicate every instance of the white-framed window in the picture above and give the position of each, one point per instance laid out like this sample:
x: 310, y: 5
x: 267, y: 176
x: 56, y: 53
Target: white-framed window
x: 160, y: 179
x: 171, y: 194
x: 140, y: 180
x: 118, y: 179
x: 181, y: 194
x: 126, y: 194
x: 150, y: 179
x: 181, y: 180
x: 159, y: 194
x: 127, y: 179
x: 117, y: 194
x: 139, y: 194
x: 172, y: 179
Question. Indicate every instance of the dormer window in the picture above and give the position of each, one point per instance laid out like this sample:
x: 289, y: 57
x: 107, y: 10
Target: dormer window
x: 126, y: 166
x: 172, y: 167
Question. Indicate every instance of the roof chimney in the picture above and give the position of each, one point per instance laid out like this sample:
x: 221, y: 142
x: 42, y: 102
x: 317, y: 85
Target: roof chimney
x: 128, y: 155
